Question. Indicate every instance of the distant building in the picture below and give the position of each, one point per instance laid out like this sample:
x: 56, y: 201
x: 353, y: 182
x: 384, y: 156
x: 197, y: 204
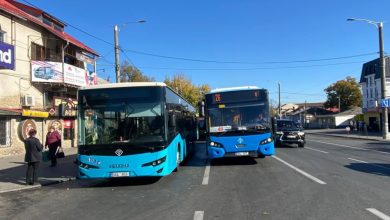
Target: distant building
x: 370, y: 82
x: 41, y: 68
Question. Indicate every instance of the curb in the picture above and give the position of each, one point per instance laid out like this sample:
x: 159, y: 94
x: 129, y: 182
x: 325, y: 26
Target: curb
x: 343, y: 136
x: 48, y: 183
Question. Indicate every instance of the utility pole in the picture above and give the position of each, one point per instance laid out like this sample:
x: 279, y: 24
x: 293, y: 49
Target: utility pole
x: 279, y: 100
x: 339, y: 105
x: 116, y: 47
x: 382, y: 67
x: 304, y: 115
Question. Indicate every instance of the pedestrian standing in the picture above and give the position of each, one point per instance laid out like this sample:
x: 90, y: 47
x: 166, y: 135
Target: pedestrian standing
x: 53, y: 141
x: 33, y: 157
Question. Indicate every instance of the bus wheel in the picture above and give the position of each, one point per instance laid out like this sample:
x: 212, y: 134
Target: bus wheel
x: 260, y: 156
x: 177, y: 159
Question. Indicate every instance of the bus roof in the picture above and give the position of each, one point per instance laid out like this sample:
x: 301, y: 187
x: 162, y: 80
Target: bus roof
x: 126, y: 84
x: 231, y: 89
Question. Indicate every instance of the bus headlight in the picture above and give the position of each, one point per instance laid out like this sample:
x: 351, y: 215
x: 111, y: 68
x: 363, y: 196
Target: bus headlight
x: 88, y: 166
x: 215, y: 144
x: 266, y: 141
x: 156, y: 162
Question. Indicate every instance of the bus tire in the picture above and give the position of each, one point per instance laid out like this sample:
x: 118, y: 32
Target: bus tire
x: 260, y: 156
x: 177, y: 159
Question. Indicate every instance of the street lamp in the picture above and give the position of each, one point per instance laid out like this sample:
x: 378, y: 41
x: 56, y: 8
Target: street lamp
x: 379, y: 25
x: 116, y: 47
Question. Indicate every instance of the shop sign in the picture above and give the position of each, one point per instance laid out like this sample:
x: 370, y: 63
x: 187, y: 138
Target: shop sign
x: 25, y: 126
x: 37, y: 114
x: 7, y: 59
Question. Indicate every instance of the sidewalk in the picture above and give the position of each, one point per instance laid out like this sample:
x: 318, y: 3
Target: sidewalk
x: 13, y: 172
x: 343, y: 133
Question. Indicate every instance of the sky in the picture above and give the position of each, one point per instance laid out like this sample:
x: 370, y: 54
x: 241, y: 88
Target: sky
x: 232, y: 43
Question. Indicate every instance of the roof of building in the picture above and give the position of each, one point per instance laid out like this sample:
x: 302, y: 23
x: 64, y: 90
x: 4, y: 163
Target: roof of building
x: 15, y: 8
x: 372, y: 67
x: 231, y: 89
x: 8, y: 111
x: 354, y: 111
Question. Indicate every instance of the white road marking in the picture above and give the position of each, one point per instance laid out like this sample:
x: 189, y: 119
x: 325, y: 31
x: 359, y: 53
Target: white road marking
x: 358, y: 148
x: 361, y: 161
x: 206, y: 174
x: 317, y: 150
x: 301, y: 171
x: 372, y: 164
x: 379, y: 214
x: 198, y: 215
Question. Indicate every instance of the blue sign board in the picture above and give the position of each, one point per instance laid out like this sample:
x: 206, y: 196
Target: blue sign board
x: 7, y: 56
x: 385, y: 103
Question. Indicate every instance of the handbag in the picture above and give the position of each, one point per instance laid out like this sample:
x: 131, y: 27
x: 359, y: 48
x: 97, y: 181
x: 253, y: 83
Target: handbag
x: 60, y: 153
x: 45, y: 156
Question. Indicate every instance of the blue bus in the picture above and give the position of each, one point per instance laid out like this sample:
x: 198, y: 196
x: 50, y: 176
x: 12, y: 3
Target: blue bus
x: 238, y: 123
x: 133, y: 130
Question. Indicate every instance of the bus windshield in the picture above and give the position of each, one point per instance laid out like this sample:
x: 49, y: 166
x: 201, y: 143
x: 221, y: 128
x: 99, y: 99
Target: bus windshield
x: 251, y: 119
x: 117, y: 119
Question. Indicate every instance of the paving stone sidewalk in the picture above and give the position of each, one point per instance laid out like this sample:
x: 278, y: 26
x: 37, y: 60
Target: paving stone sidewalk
x: 13, y: 172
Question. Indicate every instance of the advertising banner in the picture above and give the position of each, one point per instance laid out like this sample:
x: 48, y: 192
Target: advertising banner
x: 7, y: 57
x: 43, y: 71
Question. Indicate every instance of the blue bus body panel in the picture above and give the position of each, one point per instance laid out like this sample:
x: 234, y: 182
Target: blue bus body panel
x: 244, y: 143
x: 133, y: 163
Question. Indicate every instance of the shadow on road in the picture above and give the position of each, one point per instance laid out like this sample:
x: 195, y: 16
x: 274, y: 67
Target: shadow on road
x: 372, y: 168
x: 233, y: 161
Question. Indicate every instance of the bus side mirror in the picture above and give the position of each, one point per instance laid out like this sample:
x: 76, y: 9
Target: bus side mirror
x: 201, y: 108
x: 172, y: 120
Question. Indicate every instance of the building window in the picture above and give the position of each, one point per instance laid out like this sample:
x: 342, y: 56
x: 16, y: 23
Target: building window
x: 47, y: 21
x: 58, y: 27
x: 39, y: 52
x: 5, y: 132
x: 2, y: 36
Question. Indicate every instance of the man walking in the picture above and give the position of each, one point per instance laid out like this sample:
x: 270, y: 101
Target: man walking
x: 33, y: 157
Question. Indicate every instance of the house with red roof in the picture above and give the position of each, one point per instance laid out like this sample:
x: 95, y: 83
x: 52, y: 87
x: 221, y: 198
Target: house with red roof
x: 41, y: 68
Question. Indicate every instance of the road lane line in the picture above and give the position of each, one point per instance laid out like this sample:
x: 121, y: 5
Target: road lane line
x: 379, y: 214
x: 206, y: 174
x: 198, y: 215
x: 372, y: 164
x: 301, y: 171
x: 361, y: 161
x: 317, y: 150
x: 358, y: 148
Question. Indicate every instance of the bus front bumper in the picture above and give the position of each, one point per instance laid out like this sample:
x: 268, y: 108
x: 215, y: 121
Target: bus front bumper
x: 219, y: 152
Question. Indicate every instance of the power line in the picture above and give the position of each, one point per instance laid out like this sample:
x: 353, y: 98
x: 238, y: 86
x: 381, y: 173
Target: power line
x: 254, y: 68
x: 213, y: 61
x: 239, y: 62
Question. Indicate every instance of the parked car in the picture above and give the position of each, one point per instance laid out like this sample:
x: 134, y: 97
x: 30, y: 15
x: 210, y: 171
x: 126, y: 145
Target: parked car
x: 44, y: 72
x: 289, y: 132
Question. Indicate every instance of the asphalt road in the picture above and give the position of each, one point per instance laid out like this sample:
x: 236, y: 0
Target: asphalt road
x: 331, y: 178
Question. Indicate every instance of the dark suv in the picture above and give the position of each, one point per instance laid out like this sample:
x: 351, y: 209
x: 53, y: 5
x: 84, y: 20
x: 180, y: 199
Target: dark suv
x: 289, y: 132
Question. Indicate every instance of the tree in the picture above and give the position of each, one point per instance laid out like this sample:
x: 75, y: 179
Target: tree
x: 130, y: 73
x: 186, y: 88
x: 348, y: 90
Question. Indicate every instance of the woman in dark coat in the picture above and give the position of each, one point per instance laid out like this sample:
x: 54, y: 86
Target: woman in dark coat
x: 33, y: 157
x: 53, y: 140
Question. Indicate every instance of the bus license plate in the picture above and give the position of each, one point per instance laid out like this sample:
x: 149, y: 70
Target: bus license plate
x: 120, y: 174
x: 242, y: 153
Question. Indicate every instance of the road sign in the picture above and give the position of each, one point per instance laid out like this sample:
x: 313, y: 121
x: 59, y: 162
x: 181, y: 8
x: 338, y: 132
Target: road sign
x: 385, y: 103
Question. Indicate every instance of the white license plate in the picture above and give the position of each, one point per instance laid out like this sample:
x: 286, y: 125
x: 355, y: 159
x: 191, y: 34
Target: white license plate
x: 291, y: 136
x: 120, y: 174
x: 242, y: 153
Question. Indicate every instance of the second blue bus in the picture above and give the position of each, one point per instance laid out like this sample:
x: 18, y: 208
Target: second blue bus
x: 238, y: 123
